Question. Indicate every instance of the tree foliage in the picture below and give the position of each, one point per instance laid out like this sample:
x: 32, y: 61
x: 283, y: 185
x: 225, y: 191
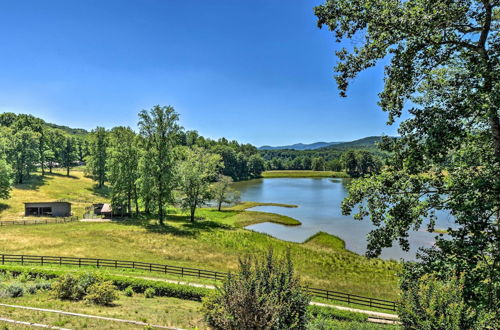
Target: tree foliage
x: 223, y: 193
x: 97, y: 158
x: 263, y: 294
x: 443, y: 57
x: 160, y: 132
x: 195, y: 171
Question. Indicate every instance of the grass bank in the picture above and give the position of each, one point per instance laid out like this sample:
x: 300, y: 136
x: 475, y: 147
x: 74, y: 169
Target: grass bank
x: 304, y: 174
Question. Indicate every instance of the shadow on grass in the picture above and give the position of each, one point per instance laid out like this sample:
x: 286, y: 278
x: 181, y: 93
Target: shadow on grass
x: 175, y: 224
x: 104, y: 191
x: 61, y: 175
x: 4, y: 207
x: 32, y: 183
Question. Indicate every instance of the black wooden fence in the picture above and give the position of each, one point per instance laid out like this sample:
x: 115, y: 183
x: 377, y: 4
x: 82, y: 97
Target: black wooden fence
x: 185, y: 271
x: 38, y: 221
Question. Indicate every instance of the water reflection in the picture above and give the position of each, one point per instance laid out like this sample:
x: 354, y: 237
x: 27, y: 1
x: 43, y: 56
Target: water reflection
x: 319, y: 210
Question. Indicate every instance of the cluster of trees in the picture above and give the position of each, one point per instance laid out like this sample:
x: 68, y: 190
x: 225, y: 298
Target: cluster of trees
x: 28, y: 143
x: 356, y: 162
x: 163, y: 165
x: 443, y: 64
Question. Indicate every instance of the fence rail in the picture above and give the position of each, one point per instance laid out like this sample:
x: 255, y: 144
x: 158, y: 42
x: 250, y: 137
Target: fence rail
x: 38, y: 221
x: 185, y: 271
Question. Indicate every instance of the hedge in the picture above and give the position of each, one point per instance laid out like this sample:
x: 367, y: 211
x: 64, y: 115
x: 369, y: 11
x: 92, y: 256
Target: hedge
x: 163, y: 289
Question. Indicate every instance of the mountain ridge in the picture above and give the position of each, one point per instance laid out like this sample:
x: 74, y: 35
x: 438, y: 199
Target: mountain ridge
x: 368, y: 141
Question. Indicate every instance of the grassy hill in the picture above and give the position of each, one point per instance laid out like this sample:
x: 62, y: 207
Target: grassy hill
x: 215, y: 241
x: 77, y: 189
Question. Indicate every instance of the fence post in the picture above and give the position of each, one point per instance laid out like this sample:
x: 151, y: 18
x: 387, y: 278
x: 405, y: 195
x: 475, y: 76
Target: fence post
x: 327, y: 294
x: 22, y: 260
x: 182, y: 271
x: 79, y: 262
x: 42, y: 260
x: 60, y: 261
x: 3, y: 259
x: 97, y: 263
x: 116, y: 263
x: 348, y: 299
x: 133, y: 264
x: 165, y: 269
x: 150, y: 267
x: 199, y: 273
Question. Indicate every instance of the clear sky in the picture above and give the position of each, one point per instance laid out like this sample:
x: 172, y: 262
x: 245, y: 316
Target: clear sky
x: 258, y: 71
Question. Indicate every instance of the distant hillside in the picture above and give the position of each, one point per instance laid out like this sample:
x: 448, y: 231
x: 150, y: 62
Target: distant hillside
x: 69, y: 130
x: 367, y: 142
x: 301, y: 146
x: 8, y: 118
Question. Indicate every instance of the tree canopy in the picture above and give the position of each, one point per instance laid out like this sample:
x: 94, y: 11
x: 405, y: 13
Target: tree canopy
x: 443, y: 64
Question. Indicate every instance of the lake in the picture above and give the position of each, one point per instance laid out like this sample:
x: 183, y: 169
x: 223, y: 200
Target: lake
x: 318, y: 201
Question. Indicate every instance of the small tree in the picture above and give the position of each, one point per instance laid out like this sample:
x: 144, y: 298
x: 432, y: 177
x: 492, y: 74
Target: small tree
x: 97, y: 158
x: 68, y: 154
x: 263, y: 294
x: 195, y: 172
x: 223, y: 193
x: 431, y: 303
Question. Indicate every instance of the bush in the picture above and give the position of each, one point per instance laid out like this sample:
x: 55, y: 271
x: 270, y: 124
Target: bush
x: 102, y: 293
x: 14, y: 290
x: 31, y: 288
x: 65, y: 287
x: 149, y: 293
x: 75, y: 287
x: 431, y: 303
x: 43, y: 285
x: 129, y: 292
x: 262, y: 295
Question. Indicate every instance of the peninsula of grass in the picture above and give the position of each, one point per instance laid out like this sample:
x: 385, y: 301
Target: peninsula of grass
x: 215, y: 241
x: 304, y: 174
x: 246, y: 205
x: 326, y: 241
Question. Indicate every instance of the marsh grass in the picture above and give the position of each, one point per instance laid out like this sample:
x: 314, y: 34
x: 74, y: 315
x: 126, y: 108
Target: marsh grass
x: 303, y: 174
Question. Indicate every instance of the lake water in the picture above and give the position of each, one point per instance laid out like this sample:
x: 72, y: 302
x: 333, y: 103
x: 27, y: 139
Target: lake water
x: 318, y: 201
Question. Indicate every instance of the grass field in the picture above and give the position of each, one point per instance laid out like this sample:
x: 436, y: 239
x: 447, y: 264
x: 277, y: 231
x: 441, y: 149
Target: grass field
x: 77, y: 189
x: 214, y: 243
x: 304, y: 174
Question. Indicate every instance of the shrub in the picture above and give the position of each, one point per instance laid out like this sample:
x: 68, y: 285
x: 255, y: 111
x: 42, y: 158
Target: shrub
x: 14, y: 290
x: 149, y: 293
x: 43, y: 285
x: 31, y: 288
x: 64, y: 287
x: 129, y: 292
x: 75, y: 287
x: 431, y: 303
x: 102, y: 293
x: 262, y: 295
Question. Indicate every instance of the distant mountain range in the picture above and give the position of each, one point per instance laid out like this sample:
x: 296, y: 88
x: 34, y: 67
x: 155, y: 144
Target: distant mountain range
x: 364, y: 142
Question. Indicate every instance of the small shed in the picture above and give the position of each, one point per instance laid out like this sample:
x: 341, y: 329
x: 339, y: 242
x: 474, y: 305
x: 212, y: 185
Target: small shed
x: 107, y: 211
x: 50, y: 209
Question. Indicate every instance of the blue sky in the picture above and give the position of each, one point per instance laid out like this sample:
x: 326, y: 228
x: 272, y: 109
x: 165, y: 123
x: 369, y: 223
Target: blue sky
x: 258, y: 71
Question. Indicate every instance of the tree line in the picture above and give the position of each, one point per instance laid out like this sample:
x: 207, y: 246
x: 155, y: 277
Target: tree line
x: 356, y: 162
x: 160, y: 165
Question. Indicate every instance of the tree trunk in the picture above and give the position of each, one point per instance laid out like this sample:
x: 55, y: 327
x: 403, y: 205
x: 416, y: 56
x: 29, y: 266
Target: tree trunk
x: 136, y: 201
x: 67, y: 171
x: 129, y: 201
x: 193, y: 210
x: 220, y: 205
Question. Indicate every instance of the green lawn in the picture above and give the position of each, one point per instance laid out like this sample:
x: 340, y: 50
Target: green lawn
x: 215, y: 241
x: 304, y: 174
